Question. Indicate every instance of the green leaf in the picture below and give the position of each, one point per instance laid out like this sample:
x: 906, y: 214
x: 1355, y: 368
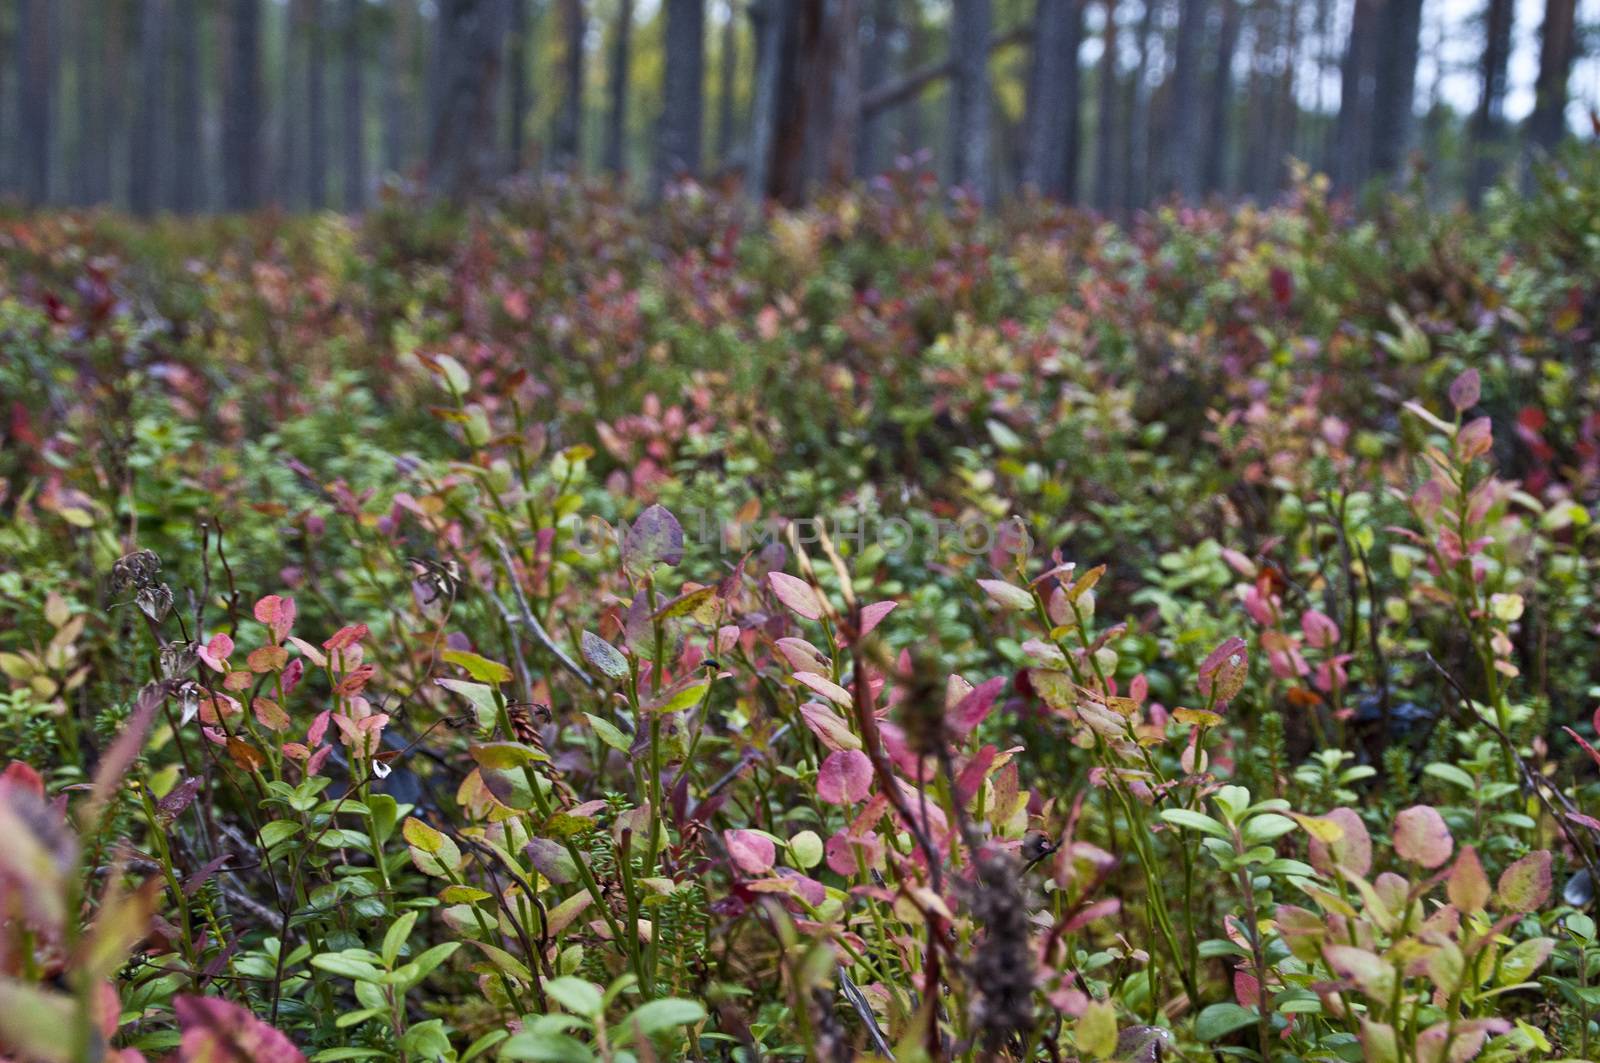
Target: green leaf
x: 545, y: 1048
x: 609, y: 733
x: 1265, y: 828
x: 1096, y: 1030
x: 479, y: 668
x: 346, y: 966
x: 605, y: 657
x: 649, y: 1019
x: 1186, y: 817
x: 1451, y: 774
x: 395, y: 938
x: 278, y: 831
x: 1219, y: 1020
x: 576, y: 995
x: 485, y: 709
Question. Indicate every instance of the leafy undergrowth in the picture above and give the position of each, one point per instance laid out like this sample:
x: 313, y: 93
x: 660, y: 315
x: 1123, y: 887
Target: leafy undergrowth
x: 567, y: 632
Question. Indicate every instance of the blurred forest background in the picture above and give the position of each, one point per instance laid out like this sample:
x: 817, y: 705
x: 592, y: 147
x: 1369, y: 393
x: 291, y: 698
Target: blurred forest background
x: 207, y: 105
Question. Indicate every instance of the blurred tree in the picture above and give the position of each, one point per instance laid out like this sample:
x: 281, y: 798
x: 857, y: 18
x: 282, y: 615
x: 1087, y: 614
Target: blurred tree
x: 241, y: 133
x: 1557, y: 44
x: 36, y: 96
x: 187, y: 97
x: 1050, y: 159
x: 517, y: 48
x: 148, y: 148
x: 679, y: 126
x: 971, y: 24
x: 353, y: 106
x: 316, y: 104
x: 461, y: 144
x: 1394, y: 93
x: 616, y: 159
x: 1488, y: 121
x: 567, y: 142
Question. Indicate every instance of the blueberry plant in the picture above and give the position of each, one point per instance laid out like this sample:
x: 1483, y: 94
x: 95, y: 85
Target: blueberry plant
x: 563, y: 631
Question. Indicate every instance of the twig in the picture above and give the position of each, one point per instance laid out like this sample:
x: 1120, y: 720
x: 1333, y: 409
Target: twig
x: 531, y: 622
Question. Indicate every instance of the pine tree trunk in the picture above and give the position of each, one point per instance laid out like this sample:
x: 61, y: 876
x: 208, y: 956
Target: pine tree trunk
x: 189, y: 152
x: 615, y: 155
x: 727, y: 80
x: 1394, y: 94
x: 1184, y: 162
x: 1488, y: 121
x: 148, y: 153
x: 1138, y: 157
x: 399, y: 92
x: 1548, y: 122
x: 970, y: 28
x: 241, y: 132
x: 1051, y: 133
x: 1218, y: 122
x: 1357, y: 83
x: 36, y: 97
x: 317, y: 106
x: 840, y: 109
x: 682, y: 92
x: 877, y: 65
x: 517, y: 42
x: 1106, y: 196
x: 461, y: 143
x: 569, y: 121
x: 354, y: 133
x: 769, y: 19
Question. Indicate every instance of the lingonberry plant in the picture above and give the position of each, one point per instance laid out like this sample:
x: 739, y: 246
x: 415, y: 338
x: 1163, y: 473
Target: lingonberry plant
x: 566, y: 633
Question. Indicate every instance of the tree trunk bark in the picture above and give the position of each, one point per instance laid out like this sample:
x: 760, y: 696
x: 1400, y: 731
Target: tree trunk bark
x: 148, y: 149
x: 1105, y: 152
x: 1488, y: 121
x: 354, y: 107
x: 616, y: 160
x: 1357, y: 83
x: 678, y: 129
x: 399, y: 98
x: 569, y: 120
x: 189, y: 167
x: 462, y: 142
x: 877, y: 64
x: 1218, y: 123
x: 727, y: 82
x: 1548, y: 122
x: 1050, y: 160
x: 1394, y: 95
x: 1184, y: 164
x: 970, y: 27
x: 241, y: 121
x: 839, y: 115
x: 36, y: 97
x: 317, y: 106
x: 769, y: 19
x: 517, y: 45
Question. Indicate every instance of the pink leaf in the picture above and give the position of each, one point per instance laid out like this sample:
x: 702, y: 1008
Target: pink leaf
x: 872, y: 616
x: 796, y: 594
x: 278, y: 614
x: 217, y: 651
x: 1320, y: 630
x: 845, y: 778
x: 972, y: 709
x: 752, y: 852
x: 1353, y: 851
x: 1464, y: 391
x: 220, y: 1031
x: 1525, y: 885
x: 1421, y: 836
x: 830, y: 728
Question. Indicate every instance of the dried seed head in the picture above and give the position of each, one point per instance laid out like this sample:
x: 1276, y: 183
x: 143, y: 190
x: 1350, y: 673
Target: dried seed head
x: 830, y: 1044
x: 178, y: 659
x: 922, y: 710
x: 155, y: 601
x: 1002, y: 966
x: 136, y: 570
